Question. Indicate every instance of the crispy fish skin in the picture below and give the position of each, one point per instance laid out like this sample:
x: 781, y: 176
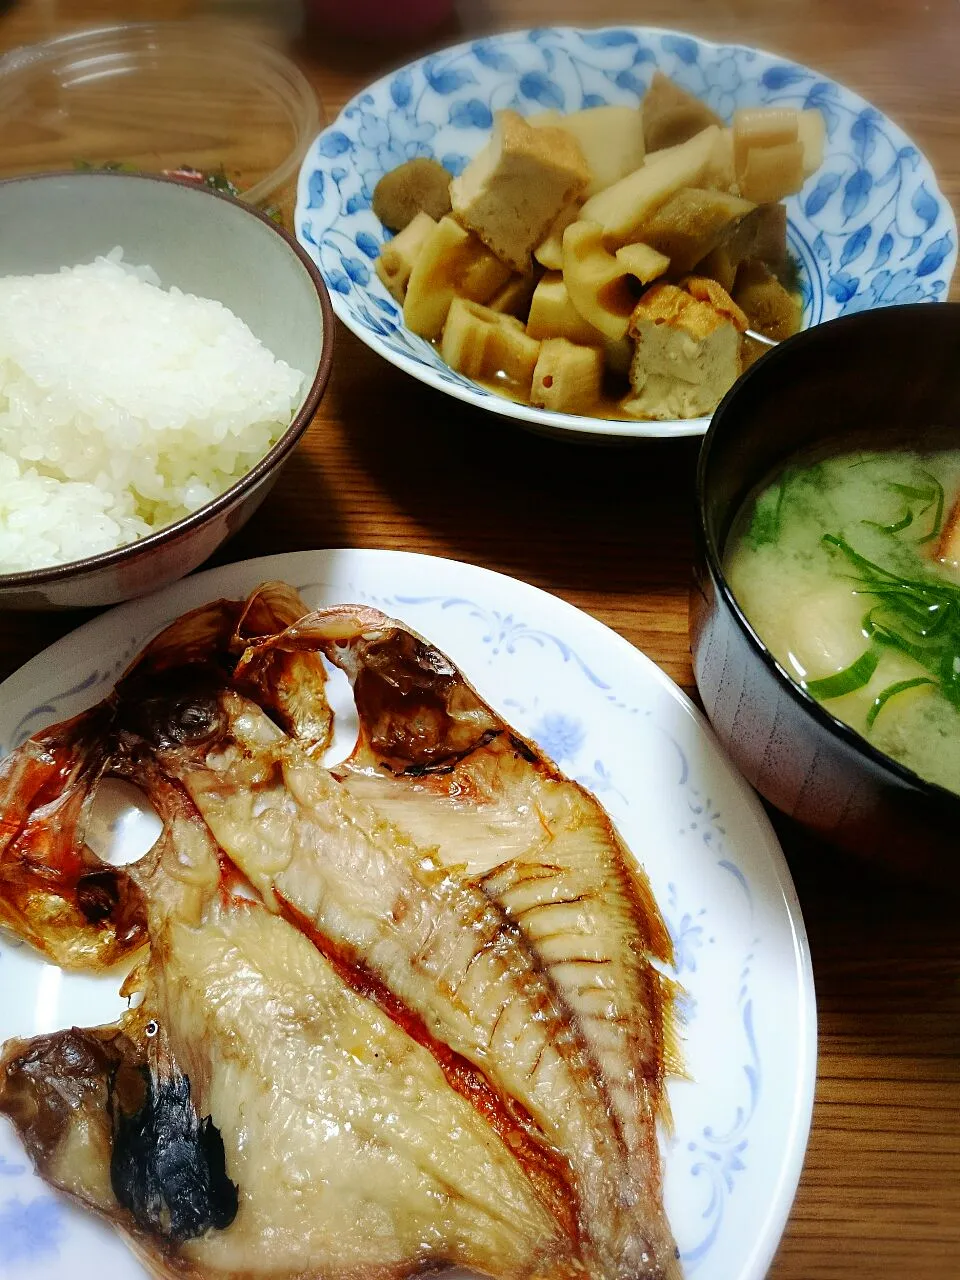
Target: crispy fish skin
x: 323, y: 1125
x: 442, y: 941
x: 255, y: 1116
x: 55, y: 893
x: 435, y: 760
x: 439, y: 945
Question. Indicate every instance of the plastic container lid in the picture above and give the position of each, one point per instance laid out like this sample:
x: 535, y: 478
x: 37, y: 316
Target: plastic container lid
x: 157, y: 97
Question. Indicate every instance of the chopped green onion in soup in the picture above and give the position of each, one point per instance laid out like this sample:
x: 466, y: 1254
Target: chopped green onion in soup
x: 848, y: 569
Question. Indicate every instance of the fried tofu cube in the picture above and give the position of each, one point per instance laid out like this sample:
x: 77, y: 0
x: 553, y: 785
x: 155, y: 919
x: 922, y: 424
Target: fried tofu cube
x: 692, y: 223
x: 513, y: 190
x: 687, y: 355
x: 567, y: 378
x: 396, y: 259
x: 488, y: 345
x: 670, y: 115
x: 611, y: 139
x: 706, y: 290
x: 770, y: 308
x: 622, y: 209
x: 450, y: 263
x: 553, y: 315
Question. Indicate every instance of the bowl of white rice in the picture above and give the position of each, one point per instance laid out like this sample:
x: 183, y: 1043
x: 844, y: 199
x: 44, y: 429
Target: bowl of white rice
x: 162, y: 350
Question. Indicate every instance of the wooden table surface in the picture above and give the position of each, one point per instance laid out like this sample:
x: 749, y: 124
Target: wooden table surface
x: 389, y: 463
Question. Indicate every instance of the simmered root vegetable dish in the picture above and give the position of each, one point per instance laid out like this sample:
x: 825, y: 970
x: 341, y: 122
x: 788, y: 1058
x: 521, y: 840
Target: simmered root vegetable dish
x: 606, y: 262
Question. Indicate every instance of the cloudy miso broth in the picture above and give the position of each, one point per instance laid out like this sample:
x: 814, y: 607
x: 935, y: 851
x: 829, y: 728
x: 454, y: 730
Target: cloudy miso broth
x: 848, y: 568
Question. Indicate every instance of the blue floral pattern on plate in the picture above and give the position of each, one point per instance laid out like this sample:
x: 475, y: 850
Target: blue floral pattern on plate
x: 870, y: 229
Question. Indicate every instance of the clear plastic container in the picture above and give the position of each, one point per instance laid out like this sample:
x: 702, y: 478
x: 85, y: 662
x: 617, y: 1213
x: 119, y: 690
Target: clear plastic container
x: 158, y: 97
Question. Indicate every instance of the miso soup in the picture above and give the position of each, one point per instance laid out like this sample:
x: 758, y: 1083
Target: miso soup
x: 848, y: 569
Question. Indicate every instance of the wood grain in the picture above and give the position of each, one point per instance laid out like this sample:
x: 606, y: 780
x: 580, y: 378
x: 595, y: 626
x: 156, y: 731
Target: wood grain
x: 389, y: 463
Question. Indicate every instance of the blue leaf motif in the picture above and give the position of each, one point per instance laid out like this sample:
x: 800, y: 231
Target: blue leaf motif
x: 855, y: 245
x: 881, y: 280
x: 886, y: 178
x: 401, y: 88
x: 472, y: 114
x: 315, y: 190
x: 366, y: 244
x: 780, y: 77
x: 821, y: 248
x: 827, y: 184
x: 356, y: 269
x: 683, y: 47
x: 643, y: 54
x: 337, y: 280
x: 924, y: 206
x: 607, y: 39
x: 374, y: 323
x: 338, y: 173
x: 386, y: 307
x: 856, y: 189
x: 933, y: 258
x: 540, y: 88
x: 356, y: 203
x: 820, y: 97
x: 488, y: 55
x: 593, y: 100
x: 627, y: 80
x: 863, y: 134
x: 843, y: 286
x: 454, y: 163
x: 884, y: 249
x: 446, y: 80
x: 306, y: 232
x: 909, y: 155
x: 334, y: 143
x: 820, y: 91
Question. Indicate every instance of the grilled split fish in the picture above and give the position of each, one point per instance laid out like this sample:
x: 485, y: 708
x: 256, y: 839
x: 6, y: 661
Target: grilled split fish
x: 254, y: 1116
x: 507, y: 952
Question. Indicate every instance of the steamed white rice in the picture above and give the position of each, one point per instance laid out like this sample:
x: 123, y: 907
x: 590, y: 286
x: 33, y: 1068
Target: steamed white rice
x: 123, y: 407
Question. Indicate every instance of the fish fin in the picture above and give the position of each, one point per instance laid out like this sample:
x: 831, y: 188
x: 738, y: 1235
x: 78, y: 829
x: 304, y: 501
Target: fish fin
x: 290, y: 684
x: 55, y: 893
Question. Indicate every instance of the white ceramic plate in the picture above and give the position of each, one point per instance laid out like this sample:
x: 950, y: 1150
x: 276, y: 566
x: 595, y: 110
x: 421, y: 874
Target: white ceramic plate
x: 609, y: 717
x: 869, y: 229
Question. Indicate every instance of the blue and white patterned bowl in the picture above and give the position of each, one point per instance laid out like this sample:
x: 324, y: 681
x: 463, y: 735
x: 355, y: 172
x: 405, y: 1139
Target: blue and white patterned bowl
x: 870, y: 229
